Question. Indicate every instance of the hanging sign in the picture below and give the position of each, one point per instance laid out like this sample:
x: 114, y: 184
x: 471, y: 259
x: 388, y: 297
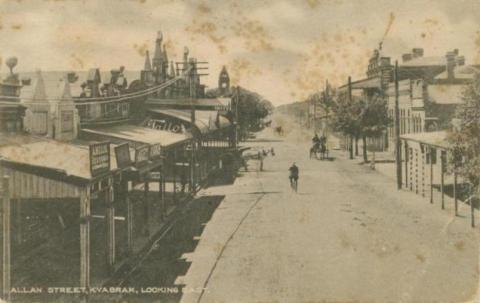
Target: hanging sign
x: 122, y: 155
x: 142, y: 154
x: 99, y: 158
x: 155, y: 151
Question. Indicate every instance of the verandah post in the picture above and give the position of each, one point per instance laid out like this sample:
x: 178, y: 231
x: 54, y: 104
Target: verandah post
x: 110, y: 225
x: 442, y: 185
x: 6, y: 258
x: 431, y: 174
x: 85, y: 237
x: 129, y: 217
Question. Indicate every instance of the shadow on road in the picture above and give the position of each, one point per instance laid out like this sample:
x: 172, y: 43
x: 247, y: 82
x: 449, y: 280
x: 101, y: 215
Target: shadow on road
x: 167, y: 262
x: 330, y: 159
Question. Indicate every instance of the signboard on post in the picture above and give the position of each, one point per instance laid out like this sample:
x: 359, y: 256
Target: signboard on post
x: 142, y: 154
x: 155, y: 151
x: 122, y: 155
x: 99, y: 158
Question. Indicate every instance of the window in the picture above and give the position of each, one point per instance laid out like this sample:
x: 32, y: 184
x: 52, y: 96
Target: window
x: 433, y: 156
x: 40, y: 122
x: 66, y: 121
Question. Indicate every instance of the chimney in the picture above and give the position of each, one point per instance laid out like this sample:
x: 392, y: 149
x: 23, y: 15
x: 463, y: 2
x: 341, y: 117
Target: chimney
x: 450, y: 65
x: 417, y: 52
x: 455, y: 51
x: 406, y: 57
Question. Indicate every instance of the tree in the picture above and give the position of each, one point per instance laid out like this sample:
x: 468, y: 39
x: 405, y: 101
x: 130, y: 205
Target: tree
x: 365, y: 117
x: 374, y: 120
x: 464, y: 139
x: 346, y: 118
x: 252, y: 108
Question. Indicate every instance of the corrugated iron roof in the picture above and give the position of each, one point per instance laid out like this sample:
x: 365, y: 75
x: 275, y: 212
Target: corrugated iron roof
x: 461, y: 72
x: 135, y: 133
x: 364, y: 83
x: 437, y: 139
x: 204, y: 119
x: 425, y: 61
x: 210, y: 102
x: 70, y: 159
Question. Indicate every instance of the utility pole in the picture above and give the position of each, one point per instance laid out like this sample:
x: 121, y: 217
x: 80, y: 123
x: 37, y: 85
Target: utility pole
x: 237, y: 100
x: 398, y: 144
x: 193, y: 89
x: 326, y: 108
x: 314, y: 113
x: 350, y: 144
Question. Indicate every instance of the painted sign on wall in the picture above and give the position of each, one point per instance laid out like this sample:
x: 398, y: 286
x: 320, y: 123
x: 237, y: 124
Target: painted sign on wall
x: 163, y: 124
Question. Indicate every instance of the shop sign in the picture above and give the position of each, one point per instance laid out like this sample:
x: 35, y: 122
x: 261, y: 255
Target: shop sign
x: 122, y: 155
x: 142, y: 154
x: 99, y: 158
x: 162, y: 124
x: 155, y: 151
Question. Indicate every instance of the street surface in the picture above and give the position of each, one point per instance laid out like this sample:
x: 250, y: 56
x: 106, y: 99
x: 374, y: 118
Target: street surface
x: 347, y: 236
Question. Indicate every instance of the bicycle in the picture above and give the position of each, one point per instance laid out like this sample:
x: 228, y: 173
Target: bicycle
x: 294, y: 183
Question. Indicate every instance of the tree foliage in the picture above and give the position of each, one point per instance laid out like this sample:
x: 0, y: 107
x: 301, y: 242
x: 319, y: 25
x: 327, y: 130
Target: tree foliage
x: 252, y: 108
x: 363, y: 116
x: 464, y: 138
x: 347, y: 115
x: 374, y: 118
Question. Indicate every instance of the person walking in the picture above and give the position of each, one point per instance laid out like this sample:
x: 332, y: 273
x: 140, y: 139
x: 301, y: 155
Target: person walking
x: 294, y: 173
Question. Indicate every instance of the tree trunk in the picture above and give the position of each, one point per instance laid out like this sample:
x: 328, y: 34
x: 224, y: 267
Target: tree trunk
x: 372, y: 165
x: 351, y: 147
x: 356, y: 146
x: 364, y: 141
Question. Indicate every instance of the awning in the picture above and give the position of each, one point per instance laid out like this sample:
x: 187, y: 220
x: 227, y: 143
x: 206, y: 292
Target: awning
x: 137, y: 134
x: 364, y: 83
x: 184, y: 103
x: 436, y: 139
x: 205, y: 121
x: 53, y: 159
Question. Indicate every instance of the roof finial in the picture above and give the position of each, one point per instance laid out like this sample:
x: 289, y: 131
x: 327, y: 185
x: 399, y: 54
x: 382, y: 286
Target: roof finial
x: 39, y: 93
x: 148, y: 64
x: 11, y: 63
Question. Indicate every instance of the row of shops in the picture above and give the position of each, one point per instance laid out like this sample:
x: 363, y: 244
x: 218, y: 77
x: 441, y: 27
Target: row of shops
x: 127, y: 177
x: 82, y: 199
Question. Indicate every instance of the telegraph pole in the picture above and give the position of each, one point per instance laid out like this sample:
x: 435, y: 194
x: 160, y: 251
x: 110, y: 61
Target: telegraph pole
x: 350, y: 144
x: 237, y: 100
x: 398, y: 144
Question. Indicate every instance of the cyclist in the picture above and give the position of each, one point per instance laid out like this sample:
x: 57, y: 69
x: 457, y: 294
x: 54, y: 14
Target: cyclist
x: 294, y: 176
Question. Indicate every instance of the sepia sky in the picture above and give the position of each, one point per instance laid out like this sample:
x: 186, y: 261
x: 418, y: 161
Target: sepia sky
x: 283, y: 49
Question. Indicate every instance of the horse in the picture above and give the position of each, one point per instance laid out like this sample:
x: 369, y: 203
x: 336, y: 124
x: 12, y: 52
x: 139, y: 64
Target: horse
x: 314, y: 150
x: 323, y: 151
x: 319, y: 148
x: 279, y: 130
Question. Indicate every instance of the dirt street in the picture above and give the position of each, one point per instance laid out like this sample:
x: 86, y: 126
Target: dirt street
x: 347, y: 236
